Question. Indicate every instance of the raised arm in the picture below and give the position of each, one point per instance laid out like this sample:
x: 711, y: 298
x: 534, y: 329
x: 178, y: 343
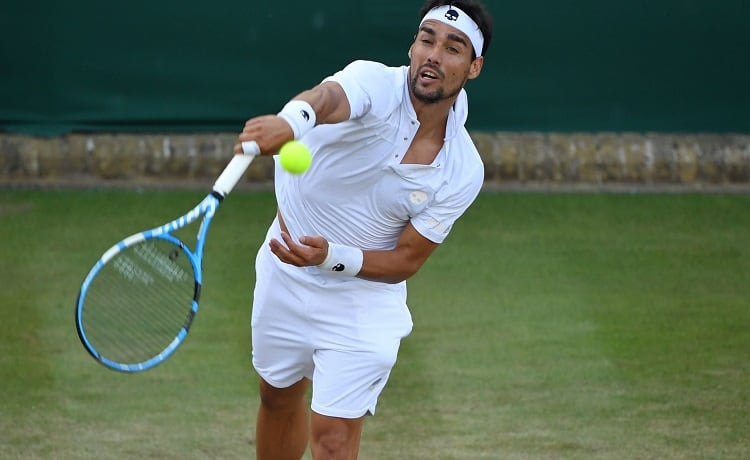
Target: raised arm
x: 327, y: 100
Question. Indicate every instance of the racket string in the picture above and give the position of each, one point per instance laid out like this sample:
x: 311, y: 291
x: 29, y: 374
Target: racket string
x: 139, y: 301
x: 125, y: 336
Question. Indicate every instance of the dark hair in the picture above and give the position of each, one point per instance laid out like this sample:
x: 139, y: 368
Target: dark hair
x: 474, y: 9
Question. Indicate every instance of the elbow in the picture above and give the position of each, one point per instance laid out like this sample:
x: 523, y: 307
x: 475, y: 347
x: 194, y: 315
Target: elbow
x: 406, y: 272
x: 394, y: 280
x: 391, y: 267
x: 391, y: 278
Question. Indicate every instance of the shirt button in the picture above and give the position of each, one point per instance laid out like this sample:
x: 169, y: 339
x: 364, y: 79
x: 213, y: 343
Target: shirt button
x: 406, y: 138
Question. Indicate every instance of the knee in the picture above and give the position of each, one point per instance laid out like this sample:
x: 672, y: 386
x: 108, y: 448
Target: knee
x: 335, y: 438
x: 332, y: 444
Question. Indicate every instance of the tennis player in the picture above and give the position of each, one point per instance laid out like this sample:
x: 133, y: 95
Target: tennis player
x: 393, y: 169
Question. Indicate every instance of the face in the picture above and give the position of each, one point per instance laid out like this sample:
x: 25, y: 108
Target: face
x: 440, y: 62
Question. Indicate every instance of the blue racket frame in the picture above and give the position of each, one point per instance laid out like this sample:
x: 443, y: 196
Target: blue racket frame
x: 207, y: 209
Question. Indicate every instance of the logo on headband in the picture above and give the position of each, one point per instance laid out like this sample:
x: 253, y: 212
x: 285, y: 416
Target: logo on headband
x: 451, y: 15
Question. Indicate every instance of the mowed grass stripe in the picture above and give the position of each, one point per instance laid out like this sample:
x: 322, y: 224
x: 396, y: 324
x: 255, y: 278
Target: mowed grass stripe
x: 578, y: 282
x: 548, y: 326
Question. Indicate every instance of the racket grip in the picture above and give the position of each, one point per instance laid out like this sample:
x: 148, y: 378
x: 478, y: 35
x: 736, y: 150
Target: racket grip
x: 236, y: 168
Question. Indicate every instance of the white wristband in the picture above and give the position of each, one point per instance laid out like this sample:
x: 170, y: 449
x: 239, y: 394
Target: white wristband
x: 342, y: 260
x: 300, y: 116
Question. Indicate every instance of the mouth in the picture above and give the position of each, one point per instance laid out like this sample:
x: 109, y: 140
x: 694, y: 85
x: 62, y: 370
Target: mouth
x: 431, y: 74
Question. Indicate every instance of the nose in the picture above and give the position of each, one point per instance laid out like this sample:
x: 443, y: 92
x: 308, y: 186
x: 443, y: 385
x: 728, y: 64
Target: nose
x: 435, y: 55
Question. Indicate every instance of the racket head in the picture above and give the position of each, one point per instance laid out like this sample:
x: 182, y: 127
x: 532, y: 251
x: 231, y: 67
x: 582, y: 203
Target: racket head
x: 137, y: 303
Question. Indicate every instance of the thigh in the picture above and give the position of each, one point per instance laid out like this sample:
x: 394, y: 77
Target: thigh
x: 347, y: 383
x: 283, y: 399
x: 282, y: 353
x: 357, y: 335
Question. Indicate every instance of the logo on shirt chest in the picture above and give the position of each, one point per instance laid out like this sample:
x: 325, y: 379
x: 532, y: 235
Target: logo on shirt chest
x: 417, y: 197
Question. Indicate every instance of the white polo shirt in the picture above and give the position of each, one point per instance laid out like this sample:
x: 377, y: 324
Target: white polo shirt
x: 356, y: 191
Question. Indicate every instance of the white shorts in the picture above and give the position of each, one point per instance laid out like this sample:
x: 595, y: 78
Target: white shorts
x: 343, y: 334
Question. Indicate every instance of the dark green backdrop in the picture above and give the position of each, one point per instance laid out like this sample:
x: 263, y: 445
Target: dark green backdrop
x: 163, y: 65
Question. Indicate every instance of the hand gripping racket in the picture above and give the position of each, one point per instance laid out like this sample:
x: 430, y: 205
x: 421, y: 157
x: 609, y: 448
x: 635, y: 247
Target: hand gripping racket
x: 137, y: 303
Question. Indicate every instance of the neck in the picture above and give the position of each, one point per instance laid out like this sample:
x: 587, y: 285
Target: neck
x: 432, y: 116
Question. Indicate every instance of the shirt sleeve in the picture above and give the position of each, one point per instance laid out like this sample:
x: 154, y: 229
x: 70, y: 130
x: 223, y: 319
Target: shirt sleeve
x: 368, y: 86
x: 451, y: 202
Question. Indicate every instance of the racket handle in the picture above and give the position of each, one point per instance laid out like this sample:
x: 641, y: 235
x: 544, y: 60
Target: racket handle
x: 236, y: 168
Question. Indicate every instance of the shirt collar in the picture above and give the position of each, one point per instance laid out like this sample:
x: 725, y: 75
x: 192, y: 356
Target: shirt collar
x: 457, y: 116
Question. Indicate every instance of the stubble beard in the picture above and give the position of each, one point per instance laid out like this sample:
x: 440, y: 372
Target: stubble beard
x: 432, y: 97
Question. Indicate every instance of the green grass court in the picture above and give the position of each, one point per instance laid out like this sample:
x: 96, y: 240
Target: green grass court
x: 549, y: 326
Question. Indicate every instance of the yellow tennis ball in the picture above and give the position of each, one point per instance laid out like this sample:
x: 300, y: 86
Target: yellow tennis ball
x: 295, y: 157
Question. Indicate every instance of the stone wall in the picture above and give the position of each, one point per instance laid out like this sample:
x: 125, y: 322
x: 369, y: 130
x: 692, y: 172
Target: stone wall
x: 598, y: 160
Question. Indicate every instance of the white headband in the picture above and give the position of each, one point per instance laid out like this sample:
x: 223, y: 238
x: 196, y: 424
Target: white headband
x: 454, y: 17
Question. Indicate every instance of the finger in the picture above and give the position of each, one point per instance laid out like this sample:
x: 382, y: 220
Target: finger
x: 317, y: 242
x: 284, y: 254
x: 299, y: 253
x: 290, y: 243
x: 316, y: 248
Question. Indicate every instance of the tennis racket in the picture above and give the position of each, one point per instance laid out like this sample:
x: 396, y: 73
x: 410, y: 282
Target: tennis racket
x: 137, y: 303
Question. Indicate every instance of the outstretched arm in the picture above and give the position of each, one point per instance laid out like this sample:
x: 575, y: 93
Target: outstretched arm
x: 327, y: 99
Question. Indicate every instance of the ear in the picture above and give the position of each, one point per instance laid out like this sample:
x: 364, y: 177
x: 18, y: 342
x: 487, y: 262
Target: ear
x: 476, y: 67
x: 408, y: 53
